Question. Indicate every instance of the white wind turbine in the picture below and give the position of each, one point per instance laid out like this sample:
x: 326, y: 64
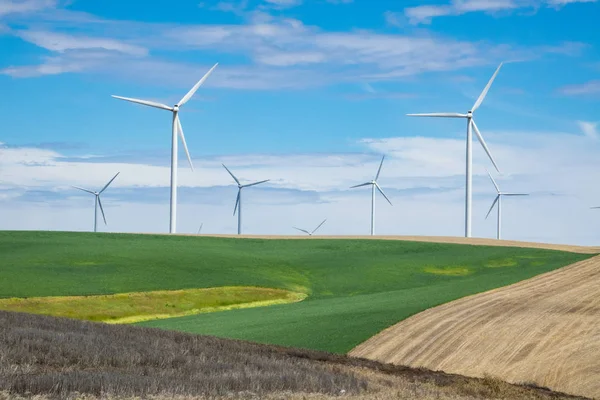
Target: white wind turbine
x: 97, y: 201
x: 498, y: 200
x: 313, y: 231
x: 374, y: 185
x: 470, y: 125
x: 176, y: 128
x: 238, y: 201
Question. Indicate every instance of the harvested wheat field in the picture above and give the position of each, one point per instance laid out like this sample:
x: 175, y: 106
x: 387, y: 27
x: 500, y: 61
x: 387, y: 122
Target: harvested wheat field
x: 544, y: 330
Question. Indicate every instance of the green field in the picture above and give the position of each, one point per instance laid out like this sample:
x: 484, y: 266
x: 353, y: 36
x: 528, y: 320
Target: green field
x: 356, y: 288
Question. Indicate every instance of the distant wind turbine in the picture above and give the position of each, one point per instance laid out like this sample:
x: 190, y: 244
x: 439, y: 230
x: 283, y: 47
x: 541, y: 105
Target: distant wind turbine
x: 199, y: 229
x: 176, y: 128
x: 313, y: 231
x: 498, y: 200
x: 97, y: 201
x: 470, y: 125
x: 374, y: 185
x: 238, y: 201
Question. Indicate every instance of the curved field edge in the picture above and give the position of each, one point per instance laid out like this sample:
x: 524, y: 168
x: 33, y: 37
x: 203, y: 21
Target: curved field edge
x: 356, y: 287
x: 543, y: 330
x: 339, y: 324
x: 145, y: 306
x: 127, y: 362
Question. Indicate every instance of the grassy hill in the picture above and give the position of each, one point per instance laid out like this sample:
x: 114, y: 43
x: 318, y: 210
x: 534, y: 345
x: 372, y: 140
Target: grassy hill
x: 355, y: 287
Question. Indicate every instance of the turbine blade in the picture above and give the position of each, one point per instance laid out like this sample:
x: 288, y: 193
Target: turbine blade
x: 483, y: 144
x: 102, y: 209
x: 237, y: 200
x: 439, y: 115
x: 594, y: 207
x: 256, y: 183
x: 379, y: 170
x: 145, y: 102
x: 232, y: 175
x: 318, y: 226
x: 493, y: 204
x: 493, y: 181
x: 362, y: 184
x: 381, y: 191
x: 514, y: 194
x: 302, y: 230
x: 85, y: 190
x: 199, y: 229
x: 196, y: 86
x: 485, y: 90
x: 187, y: 153
x: 109, y: 182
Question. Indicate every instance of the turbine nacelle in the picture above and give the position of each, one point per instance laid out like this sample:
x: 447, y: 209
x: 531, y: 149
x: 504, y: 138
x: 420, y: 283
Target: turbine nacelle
x: 470, y: 114
x: 175, y: 108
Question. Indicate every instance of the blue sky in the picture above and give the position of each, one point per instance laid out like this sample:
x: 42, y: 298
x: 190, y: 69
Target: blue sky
x: 308, y: 93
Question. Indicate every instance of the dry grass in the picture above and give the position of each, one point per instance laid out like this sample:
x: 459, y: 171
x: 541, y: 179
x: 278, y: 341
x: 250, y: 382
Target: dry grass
x: 544, y: 330
x: 145, y: 306
x: 46, y: 358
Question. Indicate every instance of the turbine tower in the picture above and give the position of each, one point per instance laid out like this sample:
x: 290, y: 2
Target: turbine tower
x: 374, y: 185
x: 313, y: 231
x: 200, y: 229
x: 238, y: 201
x: 176, y: 128
x: 498, y: 200
x: 471, y: 126
x: 97, y: 201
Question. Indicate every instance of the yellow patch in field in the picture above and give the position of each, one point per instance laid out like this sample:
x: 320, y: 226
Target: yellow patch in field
x: 134, y: 307
x: 448, y: 271
x: 85, y: 263
x: 504, y: 262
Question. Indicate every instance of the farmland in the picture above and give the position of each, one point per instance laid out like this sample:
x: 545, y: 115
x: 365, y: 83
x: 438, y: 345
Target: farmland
x: 355, y: 288
x: 45, y: 357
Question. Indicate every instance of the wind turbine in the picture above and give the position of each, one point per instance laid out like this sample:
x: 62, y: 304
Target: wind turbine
x: 313, y: 231
x: 98, y: 202
x: 374, y: 185
x: 176, y: 128
x: 470, y: 125
x: 238, y: 201
x: 498, y: 200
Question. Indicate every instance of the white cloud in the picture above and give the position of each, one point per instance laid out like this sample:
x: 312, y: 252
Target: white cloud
x: 282, y: 52
x: 58, y: 42
x: 423, y: 176
x: 588, y: 88
x: 590, y: 129
x: 424, y: 14
x: 25, y: 6
x: 284, y: 3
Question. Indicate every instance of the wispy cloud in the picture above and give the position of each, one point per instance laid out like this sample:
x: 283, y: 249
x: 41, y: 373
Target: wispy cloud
x: 283, y: 3
x: 588, y: 88
x: 25, y: 6
x: 60, y: 43
x: 424, y: 14
x: 280, y: 52
x: 589, y: 129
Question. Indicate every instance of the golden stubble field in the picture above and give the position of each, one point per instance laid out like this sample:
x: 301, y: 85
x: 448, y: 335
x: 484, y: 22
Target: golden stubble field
x: 544, y: 330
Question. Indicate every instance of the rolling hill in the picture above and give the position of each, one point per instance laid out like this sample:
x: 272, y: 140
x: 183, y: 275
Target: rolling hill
x: 355, y: 287
x: 544, y: 330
